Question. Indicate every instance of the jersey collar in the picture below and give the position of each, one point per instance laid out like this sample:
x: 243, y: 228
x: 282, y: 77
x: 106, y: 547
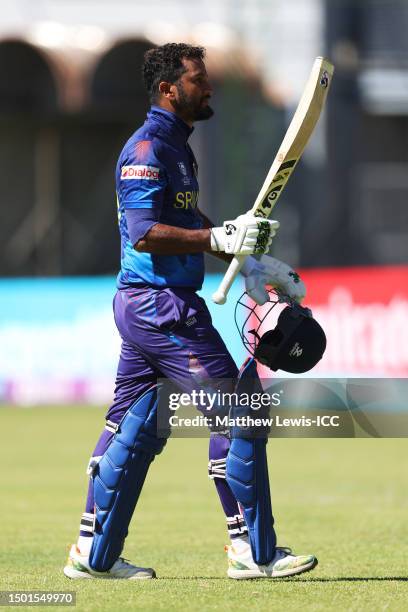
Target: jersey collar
x: 172, y: 124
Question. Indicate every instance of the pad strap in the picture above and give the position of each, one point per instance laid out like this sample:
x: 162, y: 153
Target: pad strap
x: 87, y: 522
x: 236, y: 526
x: 216, y: 468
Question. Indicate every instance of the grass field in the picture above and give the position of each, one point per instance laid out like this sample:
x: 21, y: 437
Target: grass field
x: 344, y: 500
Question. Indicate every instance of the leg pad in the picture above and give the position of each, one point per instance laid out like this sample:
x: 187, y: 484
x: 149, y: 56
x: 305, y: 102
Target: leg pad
x: 119, y: 476
x: 247, y: 477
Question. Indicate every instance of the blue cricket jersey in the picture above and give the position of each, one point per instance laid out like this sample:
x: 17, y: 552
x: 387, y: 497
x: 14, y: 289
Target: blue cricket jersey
x: 156, y: 177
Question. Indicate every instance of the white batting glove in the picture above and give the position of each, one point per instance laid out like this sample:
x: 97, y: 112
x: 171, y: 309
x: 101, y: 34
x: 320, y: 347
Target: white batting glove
x: 244, y: 235
x: 270, y: 271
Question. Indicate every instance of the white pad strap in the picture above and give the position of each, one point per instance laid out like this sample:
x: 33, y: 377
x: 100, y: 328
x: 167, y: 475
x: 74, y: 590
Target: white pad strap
x: 87, y: 522
x: 236, y: 525
x: 93, y: 462
x: 216, y: 468
x: 111, y: 426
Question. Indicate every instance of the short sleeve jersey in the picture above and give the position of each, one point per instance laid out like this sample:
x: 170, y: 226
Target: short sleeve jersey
x: 156, y: 176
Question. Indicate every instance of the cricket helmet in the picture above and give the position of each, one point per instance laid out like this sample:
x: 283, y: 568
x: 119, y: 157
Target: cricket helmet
x: 295, y: 344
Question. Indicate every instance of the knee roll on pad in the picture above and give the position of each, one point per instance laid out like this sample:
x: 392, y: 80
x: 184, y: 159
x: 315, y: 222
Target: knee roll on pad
x: 119, y: 476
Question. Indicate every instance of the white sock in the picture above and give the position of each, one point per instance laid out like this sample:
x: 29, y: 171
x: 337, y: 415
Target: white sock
x: 240, y: 544
x: 84, y: 544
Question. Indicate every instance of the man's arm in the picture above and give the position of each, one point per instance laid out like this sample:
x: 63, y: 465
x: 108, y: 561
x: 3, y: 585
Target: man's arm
x: 168, y: 240
x: 164, y: 239
x: 241, y: 236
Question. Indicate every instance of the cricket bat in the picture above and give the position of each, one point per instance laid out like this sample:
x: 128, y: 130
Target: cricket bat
x: 293, y: 144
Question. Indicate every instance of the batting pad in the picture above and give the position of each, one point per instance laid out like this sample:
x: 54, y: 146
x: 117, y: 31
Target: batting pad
x: 119, y: 476
x: 247, y: 476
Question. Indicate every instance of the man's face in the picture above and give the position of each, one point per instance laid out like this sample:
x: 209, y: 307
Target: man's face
x: 192, y: 93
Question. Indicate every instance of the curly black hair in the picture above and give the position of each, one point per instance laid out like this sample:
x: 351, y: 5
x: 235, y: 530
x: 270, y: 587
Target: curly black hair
x: 164, y: 64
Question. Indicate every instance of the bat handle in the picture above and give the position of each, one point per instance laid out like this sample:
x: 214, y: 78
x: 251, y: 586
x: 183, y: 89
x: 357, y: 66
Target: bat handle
x: 220, y: 296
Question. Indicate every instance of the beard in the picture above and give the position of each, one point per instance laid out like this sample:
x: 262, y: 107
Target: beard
x: 203, y: 113
x: 191, y: 109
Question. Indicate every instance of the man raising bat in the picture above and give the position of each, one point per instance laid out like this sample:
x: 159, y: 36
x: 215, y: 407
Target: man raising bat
x: 166, y: 331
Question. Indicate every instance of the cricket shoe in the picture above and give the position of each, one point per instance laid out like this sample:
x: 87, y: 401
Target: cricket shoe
x: 284, y: 563
x: 77, y: 567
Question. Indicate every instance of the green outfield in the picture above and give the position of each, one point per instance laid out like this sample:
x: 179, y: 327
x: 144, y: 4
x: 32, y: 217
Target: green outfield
x: 344, y: 500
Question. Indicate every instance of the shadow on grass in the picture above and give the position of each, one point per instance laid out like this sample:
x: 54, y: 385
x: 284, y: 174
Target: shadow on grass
x: 355, y: 579
x: 296, y: 578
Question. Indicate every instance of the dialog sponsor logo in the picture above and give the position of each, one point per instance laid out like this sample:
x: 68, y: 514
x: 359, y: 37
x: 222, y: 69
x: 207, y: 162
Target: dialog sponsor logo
x: 140, y: 172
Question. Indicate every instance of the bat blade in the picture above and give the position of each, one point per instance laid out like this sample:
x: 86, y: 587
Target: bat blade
x: 292, y: 147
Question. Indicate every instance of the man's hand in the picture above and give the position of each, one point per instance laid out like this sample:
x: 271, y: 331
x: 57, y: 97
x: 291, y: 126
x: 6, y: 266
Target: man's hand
x: 271, y: 271
x: 244, y: 235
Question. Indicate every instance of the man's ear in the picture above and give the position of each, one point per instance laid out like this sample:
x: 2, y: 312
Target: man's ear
x: 167, y: 89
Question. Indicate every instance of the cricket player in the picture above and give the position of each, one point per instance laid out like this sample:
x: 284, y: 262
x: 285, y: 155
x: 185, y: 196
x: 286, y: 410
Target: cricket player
x: 166, y: 331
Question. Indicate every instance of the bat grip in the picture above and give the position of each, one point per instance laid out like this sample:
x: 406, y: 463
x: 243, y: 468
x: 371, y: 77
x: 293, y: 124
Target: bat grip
x: 220, y: 296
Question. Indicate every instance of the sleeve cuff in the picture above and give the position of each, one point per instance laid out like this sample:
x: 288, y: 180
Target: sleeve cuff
x: 139, y: 223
